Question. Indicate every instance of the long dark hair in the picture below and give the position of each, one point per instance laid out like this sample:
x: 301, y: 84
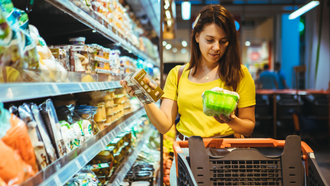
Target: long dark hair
x: 230, y: 62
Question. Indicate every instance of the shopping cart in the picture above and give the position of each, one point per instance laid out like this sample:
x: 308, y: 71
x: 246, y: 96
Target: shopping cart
x: 245, y: 165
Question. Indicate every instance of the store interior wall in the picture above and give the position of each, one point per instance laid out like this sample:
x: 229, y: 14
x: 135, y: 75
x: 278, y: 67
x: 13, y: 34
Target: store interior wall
x: 290, y: 47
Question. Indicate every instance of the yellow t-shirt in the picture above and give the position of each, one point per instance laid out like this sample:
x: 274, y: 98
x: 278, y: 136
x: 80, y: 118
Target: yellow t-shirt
x: 193, y: 122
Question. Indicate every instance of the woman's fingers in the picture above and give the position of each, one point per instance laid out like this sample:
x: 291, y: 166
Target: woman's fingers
x: 219, y: 119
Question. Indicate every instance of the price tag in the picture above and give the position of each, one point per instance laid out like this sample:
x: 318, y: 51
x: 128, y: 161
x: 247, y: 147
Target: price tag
x: 84, y: 158
x: 57, y: 180
x: 78, y: 164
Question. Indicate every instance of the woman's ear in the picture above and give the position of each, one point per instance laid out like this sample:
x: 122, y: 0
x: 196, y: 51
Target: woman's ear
x: 197, y: 37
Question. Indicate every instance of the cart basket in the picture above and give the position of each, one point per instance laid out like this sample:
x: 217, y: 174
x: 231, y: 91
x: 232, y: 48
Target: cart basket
x: 245, y: 165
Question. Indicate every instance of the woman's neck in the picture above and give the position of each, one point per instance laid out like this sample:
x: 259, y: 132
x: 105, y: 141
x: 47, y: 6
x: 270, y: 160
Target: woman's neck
x: 207, y: 66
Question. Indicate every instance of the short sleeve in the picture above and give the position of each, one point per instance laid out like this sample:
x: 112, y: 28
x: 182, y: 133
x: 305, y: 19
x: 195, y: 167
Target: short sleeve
x: 170, y: 88
x: 246, y: 89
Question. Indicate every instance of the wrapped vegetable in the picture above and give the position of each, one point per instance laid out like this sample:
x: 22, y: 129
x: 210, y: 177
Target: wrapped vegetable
x: 218, y: 101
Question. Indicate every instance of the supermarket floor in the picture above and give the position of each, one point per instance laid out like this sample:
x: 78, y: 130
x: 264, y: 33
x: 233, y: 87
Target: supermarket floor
x: 318, y: 140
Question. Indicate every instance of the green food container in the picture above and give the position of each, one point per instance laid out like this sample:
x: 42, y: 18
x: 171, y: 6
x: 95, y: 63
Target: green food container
x: 222, y: 102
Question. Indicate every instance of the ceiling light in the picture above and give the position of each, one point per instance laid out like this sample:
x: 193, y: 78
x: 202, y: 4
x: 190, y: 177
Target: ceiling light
x: 93, y: 30
x: 167, y: 4
x: 303, y: 9
x: 169, y: 23
x: 174, y: 50
x: 168, y: 46
x: 185, y: 10
x: 183, y: 50
x: 184, y: 43
x: 164, y: 43
x: 168, y: 14
x: 247, y: 43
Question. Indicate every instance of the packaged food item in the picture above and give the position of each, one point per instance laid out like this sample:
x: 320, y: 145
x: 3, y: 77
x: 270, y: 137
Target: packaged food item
x: 61, y: 54
x: 53, y: 126
x: 105, y: 156
x: 26, y: 115
x: 51, y: 154
x: 100, y: 113
x: 11, y: 45
x: 13, y: 170
x: 88, y: 112
x: 219, y: 101
x: 146, y: 90
x: 77, y: 133
x: 67, y: 135
x: 80, y: 59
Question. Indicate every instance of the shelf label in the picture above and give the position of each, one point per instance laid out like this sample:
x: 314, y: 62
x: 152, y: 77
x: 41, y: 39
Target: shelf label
x: 57, y: 180
x: 55, y: 88
x: 78, y: 164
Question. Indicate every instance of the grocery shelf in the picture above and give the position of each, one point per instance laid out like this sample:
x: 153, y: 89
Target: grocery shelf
x: 23, y: 91
x: 129, y: 160
x: 108, y: 32
x: 59, y: 172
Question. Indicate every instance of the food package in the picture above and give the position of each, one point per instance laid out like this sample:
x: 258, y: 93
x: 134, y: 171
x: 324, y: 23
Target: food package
x: 51, y: 154
x: 13, y: 170
x: 83, y: 177
x: 55, y: 71
x: 78, y: 135
x: 11, y: 37
x: 105, y: 156
x: 26, y: 115
x: 53, y: 126
x: 67, y: 135
x: 18, y: 139
x: 219, y: 101
x: 61, y: 54
x: 87, y: 113
x: 146, y: 90
x: 80, y: 59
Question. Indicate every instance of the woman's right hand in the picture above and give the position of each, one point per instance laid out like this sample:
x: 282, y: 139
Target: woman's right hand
x: 128, y: 89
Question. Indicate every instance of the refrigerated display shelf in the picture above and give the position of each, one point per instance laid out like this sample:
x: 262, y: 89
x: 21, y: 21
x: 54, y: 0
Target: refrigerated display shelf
x: 111, y: 33
x: 129, y: 160
x: 23, y: 91
x: 59, y: 172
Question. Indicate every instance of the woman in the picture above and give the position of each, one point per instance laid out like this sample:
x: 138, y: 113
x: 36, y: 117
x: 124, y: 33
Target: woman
x: 215, y: 62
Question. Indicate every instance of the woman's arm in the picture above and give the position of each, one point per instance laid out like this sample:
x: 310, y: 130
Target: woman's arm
x: 244, y: 123
x: 164, y: 117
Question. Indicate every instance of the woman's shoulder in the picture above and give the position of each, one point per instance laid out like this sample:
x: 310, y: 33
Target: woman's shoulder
x: 244, y: 70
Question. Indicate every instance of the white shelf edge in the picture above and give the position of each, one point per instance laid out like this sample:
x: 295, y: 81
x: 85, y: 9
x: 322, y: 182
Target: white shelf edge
x: 23, y: 91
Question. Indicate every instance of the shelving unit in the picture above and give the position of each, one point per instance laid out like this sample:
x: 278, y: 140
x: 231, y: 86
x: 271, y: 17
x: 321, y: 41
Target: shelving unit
x: 109, y: 32
x: 23, y: 91
x: 59, y: 172
x: 129, y: 160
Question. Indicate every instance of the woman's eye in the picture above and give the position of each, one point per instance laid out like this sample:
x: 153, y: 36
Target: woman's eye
x: 209, y: 41
x: 223, y: 42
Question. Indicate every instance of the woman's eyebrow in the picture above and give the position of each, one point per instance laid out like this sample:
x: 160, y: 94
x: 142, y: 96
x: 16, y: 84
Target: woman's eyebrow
x: 220, y: 39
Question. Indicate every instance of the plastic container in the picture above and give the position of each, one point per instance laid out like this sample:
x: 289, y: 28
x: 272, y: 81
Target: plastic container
x: 246, y: 166
x: 219, y: 101
x: 77, y: 40
x: 145, y: 88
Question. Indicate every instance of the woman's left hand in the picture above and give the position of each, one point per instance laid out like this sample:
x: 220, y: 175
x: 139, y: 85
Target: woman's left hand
x: 224, y: 119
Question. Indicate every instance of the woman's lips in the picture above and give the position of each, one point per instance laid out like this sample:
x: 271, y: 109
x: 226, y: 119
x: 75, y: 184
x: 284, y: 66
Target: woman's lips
x: 214, y: 55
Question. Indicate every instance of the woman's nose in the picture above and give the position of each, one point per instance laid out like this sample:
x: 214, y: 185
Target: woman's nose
x: 216, y: 46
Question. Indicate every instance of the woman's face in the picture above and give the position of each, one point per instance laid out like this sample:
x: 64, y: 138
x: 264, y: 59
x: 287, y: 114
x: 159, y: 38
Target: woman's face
x: 213, y: 43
